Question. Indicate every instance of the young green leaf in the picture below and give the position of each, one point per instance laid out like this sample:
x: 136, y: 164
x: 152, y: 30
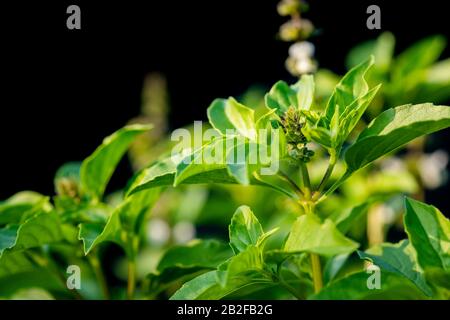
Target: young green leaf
x: 97, y: 169
x: 310, y: 235
x: 280, y: 97
x: 249, y: 259
x: 398, y: 258
x: 244, y: 230
x: 231, y: 115
x: 352, y: 87
x: 305, y: 92
x: 429, y: 233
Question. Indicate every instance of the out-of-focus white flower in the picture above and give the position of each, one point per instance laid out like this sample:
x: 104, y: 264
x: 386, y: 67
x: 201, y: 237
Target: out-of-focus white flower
x: 432, y: 169
x: 300, y: 50
x: 301, y: 59
x: 158, y: 231
x: 183, y: 232
x: 305, y: 66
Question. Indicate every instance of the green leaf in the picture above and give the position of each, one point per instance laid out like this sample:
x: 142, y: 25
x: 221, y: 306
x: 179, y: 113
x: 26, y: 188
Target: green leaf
x: 14, y: 262
x: 89, y: 233
x: 248, y: 260
x: 281, y: 96
x: 244, y: 230
x: 398, y: 258
x: 429, y: 233
x: 8, y: 237
x: 197, y: 253
x: 305, y: 92
x: 237, y: 161
x: 22, y: 205
x: 182, y: 261
x: 439, y: 280
x: 162, y: 173
x: 418, y: 56
x: 352, y: 87
x: 209, y: 161
x: 206, y: 287
x: 333, y: 266
x: 354, y: 112
x: 43, y: 228
x: 97, y: 169
x: 393, y: 129
x: 231, y: 115
x: 344, y: 219
x: 308, y: 234
x: 125, y: 221
x: 354, y: 287
x: 382, y: 48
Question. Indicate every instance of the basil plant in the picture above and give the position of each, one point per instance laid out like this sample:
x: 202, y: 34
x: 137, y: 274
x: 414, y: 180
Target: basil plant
x: 40, y: 236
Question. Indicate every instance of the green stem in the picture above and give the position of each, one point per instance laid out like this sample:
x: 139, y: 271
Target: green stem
x: 328, y: 173
x: 96, y: 266
x: 315, y: 259
x: 131, y: 279
x: 133, y: 243
x: 306, y: 181
x: 317, y: 272
x: 286, y: 178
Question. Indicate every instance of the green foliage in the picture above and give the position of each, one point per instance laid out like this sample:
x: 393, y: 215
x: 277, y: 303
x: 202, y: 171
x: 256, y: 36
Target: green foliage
x: 429, y: 233
x: 309, y: 227
x: 98, y: 168
x: 309, y: 235
x: 399, y: 259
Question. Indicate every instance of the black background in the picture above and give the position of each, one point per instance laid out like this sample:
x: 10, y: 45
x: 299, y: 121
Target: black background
x: 63, y: 90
